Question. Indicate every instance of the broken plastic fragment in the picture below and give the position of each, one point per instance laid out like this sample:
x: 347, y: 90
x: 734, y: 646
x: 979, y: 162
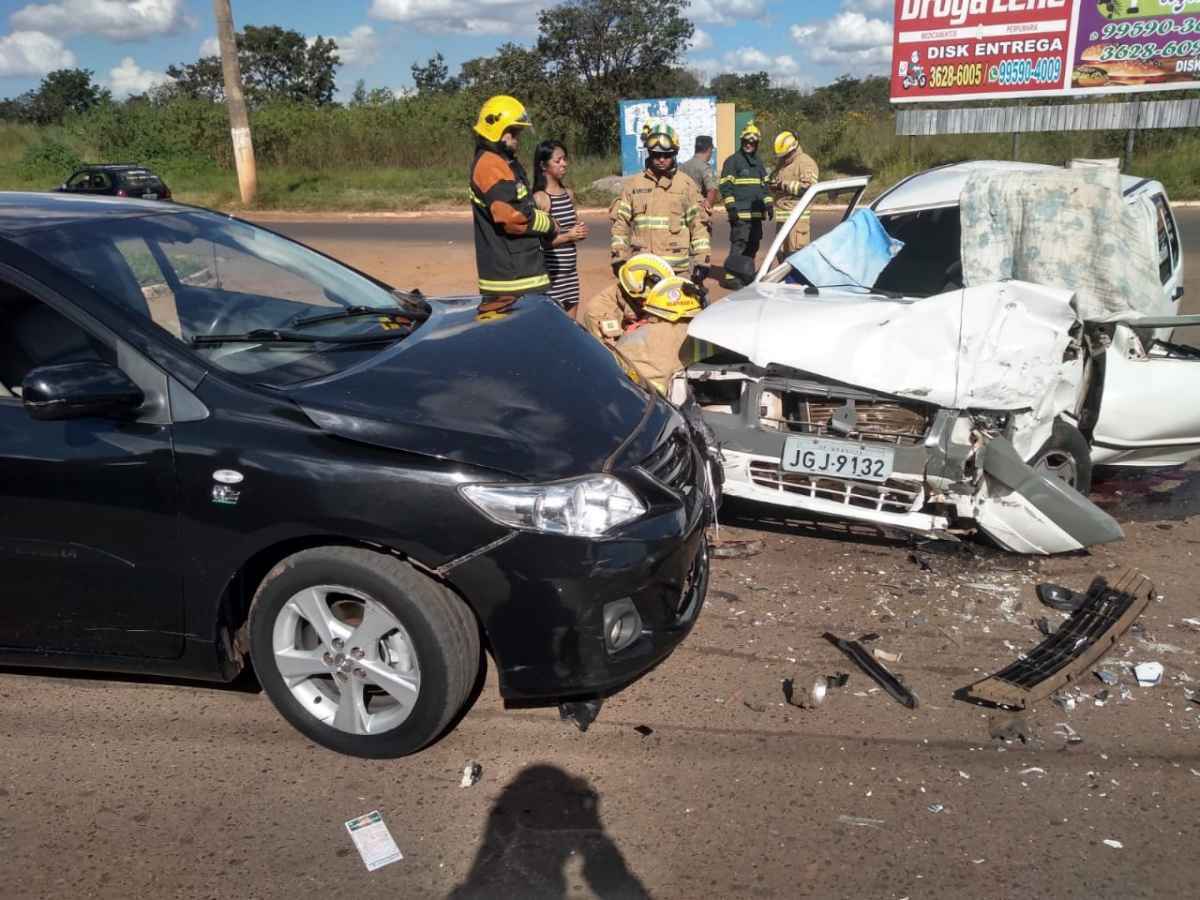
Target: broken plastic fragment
x: 735, y: 549
x: 1116, y: 845
x: 860, y: 822
x: 644, y: 730
x: 1148, y: 674
x: 1107, y: 677
x: 472, y: 772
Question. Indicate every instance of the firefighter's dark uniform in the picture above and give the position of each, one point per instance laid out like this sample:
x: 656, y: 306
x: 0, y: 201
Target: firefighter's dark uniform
x: 748, y: 201
x: 508, y: 226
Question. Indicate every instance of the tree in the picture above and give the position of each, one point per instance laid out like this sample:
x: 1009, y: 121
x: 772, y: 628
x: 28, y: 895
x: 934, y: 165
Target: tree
x: 434, y: 76
x: 604, y: 50
x: 359, y: 97
x: 63, y: 92
x: 512, y: 70
x: 276, y: 64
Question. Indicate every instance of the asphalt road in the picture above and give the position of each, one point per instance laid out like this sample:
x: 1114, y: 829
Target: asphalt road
x: 449, y: 231
x: 149, y: 788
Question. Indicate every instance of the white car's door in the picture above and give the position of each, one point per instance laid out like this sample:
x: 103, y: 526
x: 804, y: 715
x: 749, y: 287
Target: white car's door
x: 1148, y: 415
x: 1170, y: 256
x: 842, y: 192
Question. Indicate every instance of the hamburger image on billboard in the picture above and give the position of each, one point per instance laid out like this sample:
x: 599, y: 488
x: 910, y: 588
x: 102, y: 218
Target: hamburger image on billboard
x: 1137, y: 44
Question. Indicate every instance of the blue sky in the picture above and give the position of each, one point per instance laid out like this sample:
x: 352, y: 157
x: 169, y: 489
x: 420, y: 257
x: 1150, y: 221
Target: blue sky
x: 130, y: 43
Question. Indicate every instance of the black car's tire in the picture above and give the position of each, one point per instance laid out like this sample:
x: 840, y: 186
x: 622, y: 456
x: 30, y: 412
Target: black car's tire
x: 1065, y: 452
x: 437, y: 634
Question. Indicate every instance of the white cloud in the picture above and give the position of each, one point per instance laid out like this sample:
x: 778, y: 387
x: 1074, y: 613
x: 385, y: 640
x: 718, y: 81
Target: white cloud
x: 358, y: 48
x: 461, y: 16
x: 118, y: 20
x: 784, y: 69
x: 727, y: 12
x: 210, y: 47
x: 130, y: 78
x: 849, y: 40
x: 32, y: 53
x: 870, y: 6
x: 701, y: 40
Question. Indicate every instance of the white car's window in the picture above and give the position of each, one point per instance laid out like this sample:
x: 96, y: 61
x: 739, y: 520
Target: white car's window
x: 1168, y: 238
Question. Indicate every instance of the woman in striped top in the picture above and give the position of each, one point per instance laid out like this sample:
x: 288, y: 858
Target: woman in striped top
x: 552, y: 195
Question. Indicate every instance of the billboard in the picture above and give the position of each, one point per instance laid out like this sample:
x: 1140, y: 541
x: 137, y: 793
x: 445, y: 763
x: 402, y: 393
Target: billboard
x: 996, y: 49
x: 690, y: 116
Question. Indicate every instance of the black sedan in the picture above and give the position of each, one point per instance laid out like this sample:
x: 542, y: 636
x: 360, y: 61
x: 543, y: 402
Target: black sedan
x: 222, y: 448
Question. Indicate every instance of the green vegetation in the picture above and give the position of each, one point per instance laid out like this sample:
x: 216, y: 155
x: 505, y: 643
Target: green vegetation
x: 383, y: 151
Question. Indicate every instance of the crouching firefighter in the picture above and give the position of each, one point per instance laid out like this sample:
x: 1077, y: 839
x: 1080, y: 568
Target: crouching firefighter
x: 657, y: 345
x: 607, y: 314
x: 508, y: 225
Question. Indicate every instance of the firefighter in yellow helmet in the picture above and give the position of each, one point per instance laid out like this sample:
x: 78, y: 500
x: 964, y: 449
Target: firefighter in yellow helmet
x: 607, y: 314
x: 795, y: 172
x: 660, y: 209
x: 508, y: 225
x: 748, y: 201
x: 658, y: 345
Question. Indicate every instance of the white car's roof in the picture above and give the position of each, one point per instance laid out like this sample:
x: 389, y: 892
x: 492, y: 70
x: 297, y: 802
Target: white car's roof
x: 942, y: 186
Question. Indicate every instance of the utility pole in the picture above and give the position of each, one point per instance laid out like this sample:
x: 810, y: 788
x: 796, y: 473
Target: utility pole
x: 239, y: 123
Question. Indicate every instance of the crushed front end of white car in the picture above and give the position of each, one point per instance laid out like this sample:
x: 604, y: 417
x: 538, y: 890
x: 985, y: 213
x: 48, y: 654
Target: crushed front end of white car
x: 958, y: 387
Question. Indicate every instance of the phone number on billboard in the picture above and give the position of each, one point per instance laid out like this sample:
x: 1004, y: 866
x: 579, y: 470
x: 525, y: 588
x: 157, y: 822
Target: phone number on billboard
x: 967, y: 75
x: 1149, y: 51
x: 1149, y: 28
x: 1045, y: 70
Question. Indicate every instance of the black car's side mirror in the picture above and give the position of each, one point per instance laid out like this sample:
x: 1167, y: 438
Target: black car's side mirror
x: 79, y: 390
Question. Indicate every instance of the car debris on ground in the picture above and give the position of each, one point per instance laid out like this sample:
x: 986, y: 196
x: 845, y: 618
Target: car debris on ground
x: 471, y: 774
x: 872, y: 667
x: 1062, y: 658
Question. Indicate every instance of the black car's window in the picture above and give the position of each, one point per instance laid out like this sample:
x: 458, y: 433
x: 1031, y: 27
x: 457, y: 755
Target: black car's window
x: 142, y: 181
x: 33, y: 334
x: 78, y: 181
x: 198, y: 274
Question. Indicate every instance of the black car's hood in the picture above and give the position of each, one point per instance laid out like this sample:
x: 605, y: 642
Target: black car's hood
x: 521, y: 389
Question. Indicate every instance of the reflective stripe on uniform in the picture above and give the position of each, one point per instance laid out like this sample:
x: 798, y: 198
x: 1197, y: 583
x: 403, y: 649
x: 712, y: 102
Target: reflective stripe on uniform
x: 700, y: 244
x: 475, y: 199
x: 729, y: 201
x: 522, y: 191
x: 746, y: 180
x: 652, y: 223
x: 624, y: 209
x: 768, y: 199
x: 749, y: 215
x: 541, y: 222
x: 619, y: 241
x: 726, y: 179
x: 518, y: 284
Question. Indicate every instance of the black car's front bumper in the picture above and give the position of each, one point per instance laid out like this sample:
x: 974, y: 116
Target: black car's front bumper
x: 541, y: 600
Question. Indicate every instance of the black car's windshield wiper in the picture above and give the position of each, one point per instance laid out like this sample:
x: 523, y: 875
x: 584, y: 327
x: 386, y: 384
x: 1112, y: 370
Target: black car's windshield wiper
x: 350, y: 312
x: 278, y: 336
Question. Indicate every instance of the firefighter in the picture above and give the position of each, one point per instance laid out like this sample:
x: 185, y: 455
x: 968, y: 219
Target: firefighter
x: 795, y: 172
x: 508, y: 225
x: 660, y: 210
x: 747, y: 200
x: 609, y: 313
x: 657, y: 345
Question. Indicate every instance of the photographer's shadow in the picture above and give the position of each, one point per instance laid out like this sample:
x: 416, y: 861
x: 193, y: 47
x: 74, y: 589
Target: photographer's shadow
x: 542, y: 819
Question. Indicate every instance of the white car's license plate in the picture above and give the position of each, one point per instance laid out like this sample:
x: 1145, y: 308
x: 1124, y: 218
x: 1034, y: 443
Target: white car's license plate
x: 837, y: 459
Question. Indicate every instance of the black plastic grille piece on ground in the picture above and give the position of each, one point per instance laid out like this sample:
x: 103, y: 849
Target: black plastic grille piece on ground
x: 1105, y: 614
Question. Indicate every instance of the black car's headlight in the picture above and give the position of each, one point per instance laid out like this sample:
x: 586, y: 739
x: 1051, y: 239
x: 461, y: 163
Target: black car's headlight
x: 590, y: 506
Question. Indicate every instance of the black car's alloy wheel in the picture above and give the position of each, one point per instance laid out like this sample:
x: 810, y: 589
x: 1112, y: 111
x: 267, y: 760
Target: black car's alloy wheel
x: 361, y: 652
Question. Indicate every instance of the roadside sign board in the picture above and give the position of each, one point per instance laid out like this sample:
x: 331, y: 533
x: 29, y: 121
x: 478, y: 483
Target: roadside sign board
x: 949, y: 50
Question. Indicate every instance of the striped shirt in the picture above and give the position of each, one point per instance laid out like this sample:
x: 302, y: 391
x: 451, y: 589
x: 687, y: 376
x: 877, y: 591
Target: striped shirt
x: 561, y: 261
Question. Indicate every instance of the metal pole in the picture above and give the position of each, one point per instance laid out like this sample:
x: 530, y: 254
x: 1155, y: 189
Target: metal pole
x: 1129, y: 135
x: 239, y: 122
x: 1016, y: 151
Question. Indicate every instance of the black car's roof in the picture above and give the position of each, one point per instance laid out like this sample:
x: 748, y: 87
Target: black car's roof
x: 112, y: 167
x: 22, y: 212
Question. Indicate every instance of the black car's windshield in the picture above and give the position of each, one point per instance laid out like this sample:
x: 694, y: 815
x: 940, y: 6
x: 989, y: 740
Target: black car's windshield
x: 198, y: 274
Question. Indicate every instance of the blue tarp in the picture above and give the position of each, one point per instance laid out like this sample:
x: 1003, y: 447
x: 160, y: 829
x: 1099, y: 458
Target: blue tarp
x: 853, y: 254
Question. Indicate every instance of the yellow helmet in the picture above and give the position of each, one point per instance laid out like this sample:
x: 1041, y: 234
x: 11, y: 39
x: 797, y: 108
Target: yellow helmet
x: 659, y: 135
x: 642, y: 272
x: 498, y: 114
x: 785, y: 143
x: 673, y: 299
x: 750, y: 133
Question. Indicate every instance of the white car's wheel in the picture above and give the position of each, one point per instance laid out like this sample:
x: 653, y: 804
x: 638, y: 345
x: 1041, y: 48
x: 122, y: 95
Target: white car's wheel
x: 1066, y: 454
x: 361, y: 652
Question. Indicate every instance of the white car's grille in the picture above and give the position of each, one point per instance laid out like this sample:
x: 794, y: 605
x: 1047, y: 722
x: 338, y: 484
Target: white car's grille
x: 890, y: 496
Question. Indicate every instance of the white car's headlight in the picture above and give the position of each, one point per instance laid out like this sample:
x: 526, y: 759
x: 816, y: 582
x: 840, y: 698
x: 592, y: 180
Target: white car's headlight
x: 581, y: 507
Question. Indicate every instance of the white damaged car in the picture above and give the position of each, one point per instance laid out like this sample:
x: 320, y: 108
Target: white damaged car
x: 963, y: 367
